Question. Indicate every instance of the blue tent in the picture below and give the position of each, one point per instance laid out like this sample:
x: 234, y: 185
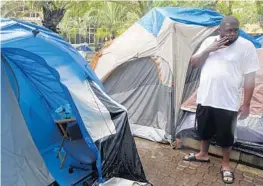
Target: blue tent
x: 46, y: 73
x: 84, y: 48
x: 259, y: 38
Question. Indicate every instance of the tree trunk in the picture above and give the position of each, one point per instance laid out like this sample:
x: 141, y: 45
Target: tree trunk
x: 213, y: 5
x: 230, y: 3
x: 260, y: 13
x: 52, y: 16
x: 145, y: 6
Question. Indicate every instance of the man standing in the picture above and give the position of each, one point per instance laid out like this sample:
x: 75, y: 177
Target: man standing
x: 228, y: 62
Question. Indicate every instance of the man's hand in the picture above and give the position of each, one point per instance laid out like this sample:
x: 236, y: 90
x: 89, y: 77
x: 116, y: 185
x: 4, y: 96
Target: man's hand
x: 218, y: 44
x: 199, y: 59
x: 243, y: 111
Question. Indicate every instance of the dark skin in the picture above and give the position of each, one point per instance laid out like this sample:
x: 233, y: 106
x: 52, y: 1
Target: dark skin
x: 249, y: 86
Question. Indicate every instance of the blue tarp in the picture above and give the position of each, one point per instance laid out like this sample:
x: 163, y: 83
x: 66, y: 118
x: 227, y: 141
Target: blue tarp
x: 153, y: 20
x: 259, y: 38
x: 41, y: 63
x: 84, y: 48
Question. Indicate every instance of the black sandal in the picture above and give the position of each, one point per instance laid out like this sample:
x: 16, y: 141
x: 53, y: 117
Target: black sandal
x: 191, y: 157
x: 226, y: 174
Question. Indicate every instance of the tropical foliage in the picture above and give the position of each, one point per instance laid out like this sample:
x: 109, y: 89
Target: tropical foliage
x: 113, y: 17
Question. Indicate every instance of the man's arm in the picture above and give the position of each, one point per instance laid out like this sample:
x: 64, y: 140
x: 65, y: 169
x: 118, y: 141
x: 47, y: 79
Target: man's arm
x: 249, y: 86
x: 199, y: 59
x: 250, y: 65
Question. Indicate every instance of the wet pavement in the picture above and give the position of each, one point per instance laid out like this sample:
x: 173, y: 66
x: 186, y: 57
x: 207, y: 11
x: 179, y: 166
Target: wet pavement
x: 164, y: 166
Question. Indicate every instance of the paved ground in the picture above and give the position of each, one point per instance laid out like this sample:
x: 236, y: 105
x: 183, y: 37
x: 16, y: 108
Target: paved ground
x: 164, y: 167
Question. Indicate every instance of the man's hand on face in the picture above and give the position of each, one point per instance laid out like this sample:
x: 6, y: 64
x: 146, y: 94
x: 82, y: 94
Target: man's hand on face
x: 243, y: 111
x: 218, y: 44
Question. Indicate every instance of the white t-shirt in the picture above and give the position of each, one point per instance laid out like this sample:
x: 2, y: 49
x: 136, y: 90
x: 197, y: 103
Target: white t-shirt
x: 222, y: 75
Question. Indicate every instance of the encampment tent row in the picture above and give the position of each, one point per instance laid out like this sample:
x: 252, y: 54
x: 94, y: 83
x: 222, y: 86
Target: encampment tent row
x: 66, y: 123
x: 147, y: 70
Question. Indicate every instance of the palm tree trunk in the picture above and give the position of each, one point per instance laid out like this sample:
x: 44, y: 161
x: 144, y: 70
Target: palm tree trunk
x: 52, y: 16
x: 230, y: 3
x: 260, y: 12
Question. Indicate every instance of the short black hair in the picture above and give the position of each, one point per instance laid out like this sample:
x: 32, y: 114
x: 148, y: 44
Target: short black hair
x: 229, y: 20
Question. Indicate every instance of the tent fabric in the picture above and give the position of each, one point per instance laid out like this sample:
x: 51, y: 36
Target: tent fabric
x: 259, y: 38
x: 25, y: 32
x: 245, y: 35
x: 36, y: 110
x: 121, y: 182
x: 50, y: 73
x: 248, y: 134
x: 83, y: 47
x: 153, y: 20
x: 117, y: 159
x: 164, y: 46
x: 21, y: 163
x: 172, y: 34
x: 150, y: 87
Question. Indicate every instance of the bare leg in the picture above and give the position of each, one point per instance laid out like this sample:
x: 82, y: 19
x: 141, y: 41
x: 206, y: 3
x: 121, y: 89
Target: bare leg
x: 226, y: 158
x: 225, y: 163
x: 203, y: 154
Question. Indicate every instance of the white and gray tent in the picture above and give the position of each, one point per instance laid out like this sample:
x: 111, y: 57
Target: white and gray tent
x: 147, y: 67
x: 144, y: 86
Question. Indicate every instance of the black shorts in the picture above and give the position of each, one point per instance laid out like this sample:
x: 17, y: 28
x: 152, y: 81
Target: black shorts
x: 219, y: 122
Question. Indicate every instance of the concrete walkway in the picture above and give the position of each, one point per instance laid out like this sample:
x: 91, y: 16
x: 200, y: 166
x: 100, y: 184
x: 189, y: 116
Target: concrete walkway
x: 164, y: 167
